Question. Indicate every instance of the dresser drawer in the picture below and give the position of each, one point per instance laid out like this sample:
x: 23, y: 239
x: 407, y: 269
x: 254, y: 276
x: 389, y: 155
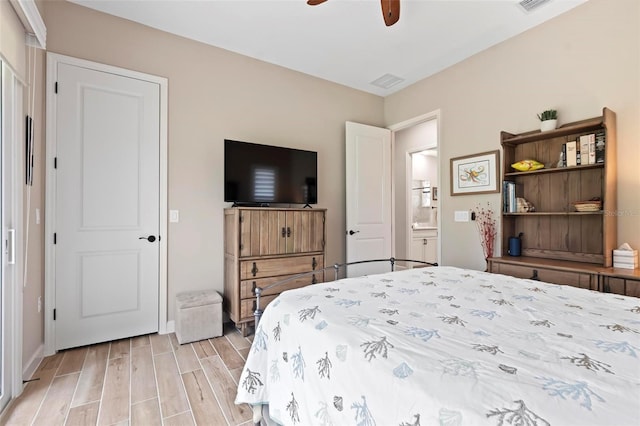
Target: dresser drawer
x: 248, y: 306
x: 262, y: 268
x: 247, y: 287
x: 575, y: 279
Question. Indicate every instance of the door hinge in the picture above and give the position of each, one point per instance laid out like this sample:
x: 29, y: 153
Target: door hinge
x: 54, y: 314
x: 241, y: 218
x: 55, y: 162
x: 55, y: 87
x: 241, y: 246
x: 55, y: 238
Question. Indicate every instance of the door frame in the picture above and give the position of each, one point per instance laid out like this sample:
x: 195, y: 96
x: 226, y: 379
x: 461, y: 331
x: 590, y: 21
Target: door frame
x: 53, y: 59
x: 433, y: 115
x: 12, y: 300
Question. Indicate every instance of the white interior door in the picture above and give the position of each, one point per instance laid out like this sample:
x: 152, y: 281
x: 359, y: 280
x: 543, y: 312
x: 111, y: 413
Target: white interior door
x: 107, y: 206
x: 368, y: 191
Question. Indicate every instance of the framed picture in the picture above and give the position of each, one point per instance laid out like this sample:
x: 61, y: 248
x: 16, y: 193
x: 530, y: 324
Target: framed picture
x: 475, y: 174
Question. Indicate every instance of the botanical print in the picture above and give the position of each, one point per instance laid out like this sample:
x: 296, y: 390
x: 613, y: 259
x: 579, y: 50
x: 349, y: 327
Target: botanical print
x: 380, y: 347
x: 363, y: 416
x: 520, y: 415
x: 324, y: 366
x: 621, y: 347
x: 473, y: 174
x: 305, y: 314
x: 590, y: 364
x: 251, y: 381
x: 292, y: 408
x: 578, y: 391
x: 298, y: 364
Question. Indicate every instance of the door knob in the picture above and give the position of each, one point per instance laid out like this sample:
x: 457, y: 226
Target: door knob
x: 150, y: 238
x: 351, y: 232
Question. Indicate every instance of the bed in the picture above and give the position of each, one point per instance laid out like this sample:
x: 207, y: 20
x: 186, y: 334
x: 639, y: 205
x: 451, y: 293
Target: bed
x: 449, y: 346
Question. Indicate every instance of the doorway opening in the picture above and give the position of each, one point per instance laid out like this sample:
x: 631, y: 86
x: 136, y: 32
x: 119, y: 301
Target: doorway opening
x: 416, y: 188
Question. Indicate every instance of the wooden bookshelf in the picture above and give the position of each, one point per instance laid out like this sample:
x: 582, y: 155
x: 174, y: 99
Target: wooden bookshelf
x: 556, y: 230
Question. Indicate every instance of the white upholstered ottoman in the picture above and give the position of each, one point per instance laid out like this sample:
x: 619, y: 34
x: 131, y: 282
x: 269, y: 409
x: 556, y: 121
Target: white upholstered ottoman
x: 198, y: 315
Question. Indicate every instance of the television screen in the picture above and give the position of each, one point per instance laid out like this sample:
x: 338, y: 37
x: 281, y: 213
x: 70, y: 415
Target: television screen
x: 264, y: 174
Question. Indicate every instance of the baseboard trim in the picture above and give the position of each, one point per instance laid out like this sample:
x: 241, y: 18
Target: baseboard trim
x: 34, y: 362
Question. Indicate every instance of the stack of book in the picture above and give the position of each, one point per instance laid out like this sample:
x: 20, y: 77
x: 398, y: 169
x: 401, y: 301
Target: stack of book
x: 587, y: 149
x: 509, y: 196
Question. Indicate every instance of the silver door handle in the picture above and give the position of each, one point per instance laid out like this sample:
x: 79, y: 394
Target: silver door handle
x: 11, y: 246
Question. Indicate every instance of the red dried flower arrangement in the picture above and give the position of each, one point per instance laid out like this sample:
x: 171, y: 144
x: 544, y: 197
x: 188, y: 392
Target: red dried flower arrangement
x: 486, y: 223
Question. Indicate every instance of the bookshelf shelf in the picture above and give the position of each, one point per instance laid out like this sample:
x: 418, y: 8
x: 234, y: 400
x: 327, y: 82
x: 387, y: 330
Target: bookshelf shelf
x: 555, y: 170
x: 554, y: 230
x: 583, y: 126
x: 533, y: 214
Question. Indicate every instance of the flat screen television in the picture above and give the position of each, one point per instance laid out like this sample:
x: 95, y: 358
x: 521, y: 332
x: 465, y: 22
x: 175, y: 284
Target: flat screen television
x: 261, y: 175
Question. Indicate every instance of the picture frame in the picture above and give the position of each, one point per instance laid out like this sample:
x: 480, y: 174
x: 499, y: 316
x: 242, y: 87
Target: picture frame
x: 475, y: 174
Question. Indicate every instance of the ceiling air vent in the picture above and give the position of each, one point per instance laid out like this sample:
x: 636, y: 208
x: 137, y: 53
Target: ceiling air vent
x: 529, y: 5
x: 387, y: 81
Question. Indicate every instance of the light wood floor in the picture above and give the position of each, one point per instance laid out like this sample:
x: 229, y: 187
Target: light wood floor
x: 145, y: 380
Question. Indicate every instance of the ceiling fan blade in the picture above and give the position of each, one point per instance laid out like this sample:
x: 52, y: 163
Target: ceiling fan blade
x: 315, y: 2
x: 390, y: 11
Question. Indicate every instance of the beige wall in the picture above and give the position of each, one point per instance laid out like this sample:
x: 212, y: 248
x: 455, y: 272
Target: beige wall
x: 215, y: 94
x: 12, y: 39
x: 577, y: 63
x: 33, y: 321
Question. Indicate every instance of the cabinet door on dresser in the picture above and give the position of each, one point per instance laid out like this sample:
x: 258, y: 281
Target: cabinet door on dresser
x: 274, y: 232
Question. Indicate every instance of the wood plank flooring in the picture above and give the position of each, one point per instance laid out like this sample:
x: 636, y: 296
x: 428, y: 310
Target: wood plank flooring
x: 144, y: 380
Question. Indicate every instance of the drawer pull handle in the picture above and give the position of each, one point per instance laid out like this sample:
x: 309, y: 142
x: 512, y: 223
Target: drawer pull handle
x: 314, y: 279
x: 535, y: 275
x: 254, y: 270
x: 284, y: 233
x: 253, y: 288
x: 288, y: 232
x: 254, y: 306
x: 314, y: 263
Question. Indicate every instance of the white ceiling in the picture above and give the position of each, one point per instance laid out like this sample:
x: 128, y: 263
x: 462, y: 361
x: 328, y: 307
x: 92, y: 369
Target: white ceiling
x: 344, y: 41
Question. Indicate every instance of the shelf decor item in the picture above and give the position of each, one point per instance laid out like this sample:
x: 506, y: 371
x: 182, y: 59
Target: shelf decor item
x: 475, y: 174
x: 548, y: 120
x: 588, y: 206
x: 487, y: 229
x: 527, y: 165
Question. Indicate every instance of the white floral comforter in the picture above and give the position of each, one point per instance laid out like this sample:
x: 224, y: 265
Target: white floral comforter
x: 446, y: 346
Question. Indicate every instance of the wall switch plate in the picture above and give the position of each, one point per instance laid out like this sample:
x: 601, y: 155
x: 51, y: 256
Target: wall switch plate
x: 174, y: 216
x: 461, y: 216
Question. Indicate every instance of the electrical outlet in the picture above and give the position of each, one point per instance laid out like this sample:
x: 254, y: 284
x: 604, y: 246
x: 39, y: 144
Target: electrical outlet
x: 39, y: 303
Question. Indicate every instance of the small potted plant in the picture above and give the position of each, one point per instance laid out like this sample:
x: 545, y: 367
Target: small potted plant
x: 548, y: 120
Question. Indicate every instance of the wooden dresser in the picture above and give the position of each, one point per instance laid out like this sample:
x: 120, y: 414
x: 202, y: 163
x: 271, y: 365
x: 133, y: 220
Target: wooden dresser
x: 265, y: 245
